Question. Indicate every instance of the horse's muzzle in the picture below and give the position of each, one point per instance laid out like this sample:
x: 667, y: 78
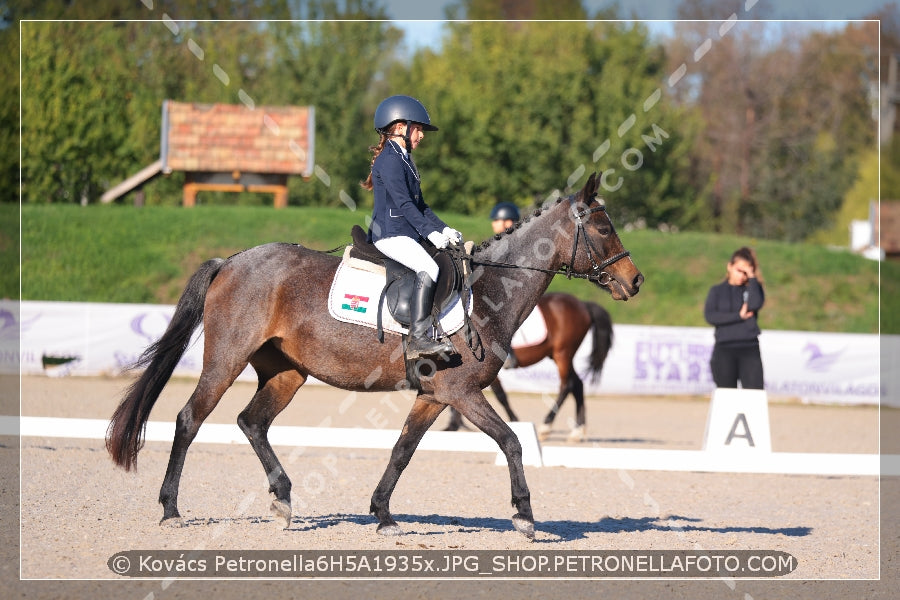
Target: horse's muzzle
x: 620, y: 290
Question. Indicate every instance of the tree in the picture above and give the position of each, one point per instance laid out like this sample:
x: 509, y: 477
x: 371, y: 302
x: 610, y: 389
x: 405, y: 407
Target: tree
x: 483, y: 10
x: 890, y: 170
x: 9, y: 116
x: 91, y: 107
x: 78, y: 168
x: 338, y: 67
x: 526, y: 108
x: 822, y: 121
x: 72, y: 126
x: 786, y: 110
x: 856, y: 202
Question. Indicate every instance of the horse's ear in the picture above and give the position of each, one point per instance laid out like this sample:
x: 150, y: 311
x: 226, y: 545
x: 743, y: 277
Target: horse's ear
x: 590, y: 188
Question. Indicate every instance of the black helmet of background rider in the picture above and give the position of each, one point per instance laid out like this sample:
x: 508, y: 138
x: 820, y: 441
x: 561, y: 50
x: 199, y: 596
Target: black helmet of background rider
x: 401, y: 108
x: 505, y: 211
x: 503, y: 216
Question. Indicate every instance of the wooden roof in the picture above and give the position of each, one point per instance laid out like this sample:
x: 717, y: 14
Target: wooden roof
x: 234, y: 137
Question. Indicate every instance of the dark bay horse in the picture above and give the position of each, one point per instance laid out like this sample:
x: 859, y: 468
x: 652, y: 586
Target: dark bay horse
x: 267, y: 306
x: 568, y: 320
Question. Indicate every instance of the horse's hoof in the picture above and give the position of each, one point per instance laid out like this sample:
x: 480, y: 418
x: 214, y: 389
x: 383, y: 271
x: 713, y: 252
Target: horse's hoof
x: 524, y: 525
x: 282, y: 510
x: 543, y: 432
x: 172, y: 522
x: 389, y: 529
x: 577, y: 434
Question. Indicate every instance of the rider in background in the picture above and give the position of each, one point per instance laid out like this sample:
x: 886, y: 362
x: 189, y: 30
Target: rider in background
x: 503, y: 216
x: 401, y: 221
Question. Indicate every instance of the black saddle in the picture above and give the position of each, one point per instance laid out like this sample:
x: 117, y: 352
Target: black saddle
x: 398, y: 287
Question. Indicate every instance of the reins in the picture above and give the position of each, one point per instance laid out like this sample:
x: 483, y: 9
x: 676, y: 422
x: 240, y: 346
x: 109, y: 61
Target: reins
x: 464, y: 261
x: 333, y: 250
x: 597, y: 274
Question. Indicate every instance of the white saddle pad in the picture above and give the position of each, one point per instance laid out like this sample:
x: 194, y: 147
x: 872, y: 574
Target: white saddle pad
x: 532, y: 332
x: 354, y: 298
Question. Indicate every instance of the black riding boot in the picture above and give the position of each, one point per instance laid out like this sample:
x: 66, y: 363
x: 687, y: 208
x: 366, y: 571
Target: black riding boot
x: 420, y: 343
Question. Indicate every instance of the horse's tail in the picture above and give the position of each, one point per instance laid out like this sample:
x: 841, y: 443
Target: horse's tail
x: 602, y: 338
x: 125, y: 434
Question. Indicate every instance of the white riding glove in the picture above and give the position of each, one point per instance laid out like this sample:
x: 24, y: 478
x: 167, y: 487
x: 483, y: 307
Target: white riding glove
x: 439, y: 240
x: 454, y: 236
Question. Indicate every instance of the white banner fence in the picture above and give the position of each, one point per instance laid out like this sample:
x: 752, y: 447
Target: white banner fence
x: 73, y: 338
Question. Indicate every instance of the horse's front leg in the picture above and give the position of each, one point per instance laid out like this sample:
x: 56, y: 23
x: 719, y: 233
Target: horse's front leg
x: 421, y: 416
x: 476, y: 409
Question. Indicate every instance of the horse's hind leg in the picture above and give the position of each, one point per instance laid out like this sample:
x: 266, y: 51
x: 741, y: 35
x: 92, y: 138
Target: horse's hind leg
x: 421, y: 416
x: 565, y: 387
x: 577, y: 433
x: 212, y: 385
x: 455, y: 421
x: 276, y: 389
x: 500, y: 393
x: 456, y: 418
x: 569, y: 383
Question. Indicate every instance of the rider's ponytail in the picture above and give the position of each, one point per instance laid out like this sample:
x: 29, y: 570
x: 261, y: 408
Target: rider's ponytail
x: 375, y: 150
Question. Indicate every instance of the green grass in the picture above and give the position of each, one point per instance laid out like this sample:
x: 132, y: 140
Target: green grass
x: 9, y: 250
x: 808, y: 288
x: 125, y: 254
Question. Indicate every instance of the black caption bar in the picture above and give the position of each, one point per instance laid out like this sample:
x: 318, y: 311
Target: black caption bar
x: 574, y: 564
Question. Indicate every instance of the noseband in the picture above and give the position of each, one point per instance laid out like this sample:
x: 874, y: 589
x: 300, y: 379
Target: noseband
x: 597, y: 274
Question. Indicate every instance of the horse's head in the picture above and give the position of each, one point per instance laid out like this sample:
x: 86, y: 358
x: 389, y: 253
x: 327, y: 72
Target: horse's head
x: 597, y: 252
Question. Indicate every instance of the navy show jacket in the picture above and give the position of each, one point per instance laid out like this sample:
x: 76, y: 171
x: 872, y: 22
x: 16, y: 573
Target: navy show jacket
x: 399, y: 208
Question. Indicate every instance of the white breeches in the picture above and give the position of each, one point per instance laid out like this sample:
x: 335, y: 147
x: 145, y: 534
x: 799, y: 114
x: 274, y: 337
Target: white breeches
x: 410, y: 253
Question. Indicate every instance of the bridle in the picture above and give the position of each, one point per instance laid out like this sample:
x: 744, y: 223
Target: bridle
x: 597, y: 274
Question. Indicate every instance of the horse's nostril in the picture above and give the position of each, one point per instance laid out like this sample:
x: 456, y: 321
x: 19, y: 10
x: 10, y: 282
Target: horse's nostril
x: 638, y: 280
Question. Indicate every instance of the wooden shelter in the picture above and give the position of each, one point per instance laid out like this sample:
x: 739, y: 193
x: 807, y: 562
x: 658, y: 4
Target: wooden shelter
x: 230, y: 148
x: 886, y: 226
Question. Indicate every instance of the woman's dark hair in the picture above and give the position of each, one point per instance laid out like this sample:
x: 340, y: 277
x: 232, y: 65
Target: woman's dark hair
x: 747, y: 254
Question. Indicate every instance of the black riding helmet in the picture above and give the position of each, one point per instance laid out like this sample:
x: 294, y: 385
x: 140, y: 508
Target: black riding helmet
x: 401, y: 108
x: 505, y: 210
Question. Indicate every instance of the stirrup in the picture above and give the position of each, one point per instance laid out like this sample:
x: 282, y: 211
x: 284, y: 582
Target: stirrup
x: 428, y: 348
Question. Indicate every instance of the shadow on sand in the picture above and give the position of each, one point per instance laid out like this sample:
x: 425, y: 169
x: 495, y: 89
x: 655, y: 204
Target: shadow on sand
x: 552, y: 531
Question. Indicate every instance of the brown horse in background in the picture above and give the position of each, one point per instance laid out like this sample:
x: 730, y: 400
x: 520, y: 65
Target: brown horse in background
x: 568, y: 320
x: 267, y: 306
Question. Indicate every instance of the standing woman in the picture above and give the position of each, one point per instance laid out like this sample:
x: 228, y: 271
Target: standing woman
x: 732, y: 308
x: 401, y: 221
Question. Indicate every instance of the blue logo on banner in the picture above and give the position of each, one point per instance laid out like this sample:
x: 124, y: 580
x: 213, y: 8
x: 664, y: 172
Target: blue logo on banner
x: 818, y: 360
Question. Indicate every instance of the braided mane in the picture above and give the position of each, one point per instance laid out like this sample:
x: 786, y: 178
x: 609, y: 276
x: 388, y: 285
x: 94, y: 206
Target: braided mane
x: 512, y: 228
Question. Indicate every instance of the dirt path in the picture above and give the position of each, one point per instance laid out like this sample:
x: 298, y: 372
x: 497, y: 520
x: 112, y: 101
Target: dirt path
x: 77, y: 510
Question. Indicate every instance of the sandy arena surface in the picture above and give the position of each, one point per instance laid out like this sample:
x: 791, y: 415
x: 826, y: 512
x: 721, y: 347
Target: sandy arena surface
x: 77, y: 510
